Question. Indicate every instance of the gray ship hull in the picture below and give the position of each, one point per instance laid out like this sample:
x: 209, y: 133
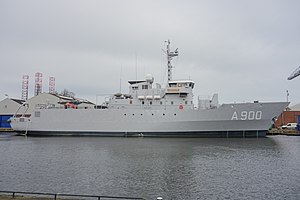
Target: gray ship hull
x: 228, y: 120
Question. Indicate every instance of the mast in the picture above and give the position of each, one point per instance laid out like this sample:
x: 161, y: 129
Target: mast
x: 170, y: 55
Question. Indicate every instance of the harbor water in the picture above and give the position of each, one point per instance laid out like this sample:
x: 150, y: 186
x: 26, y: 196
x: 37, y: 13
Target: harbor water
x: 173, y: 168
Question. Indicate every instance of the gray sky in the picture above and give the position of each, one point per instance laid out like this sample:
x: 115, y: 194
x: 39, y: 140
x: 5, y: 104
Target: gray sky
x: 243, y: 50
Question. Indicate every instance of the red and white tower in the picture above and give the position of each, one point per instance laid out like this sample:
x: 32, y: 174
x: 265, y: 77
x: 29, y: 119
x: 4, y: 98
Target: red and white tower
x: 51, y: 85
x: 38, y: 83
x: 25, y: 82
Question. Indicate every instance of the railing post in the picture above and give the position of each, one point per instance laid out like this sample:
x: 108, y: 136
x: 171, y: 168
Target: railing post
x: 13, y: 195
x: 55, y: 196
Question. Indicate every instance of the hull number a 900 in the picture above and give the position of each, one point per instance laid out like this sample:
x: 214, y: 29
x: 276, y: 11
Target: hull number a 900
x: 247, y: 115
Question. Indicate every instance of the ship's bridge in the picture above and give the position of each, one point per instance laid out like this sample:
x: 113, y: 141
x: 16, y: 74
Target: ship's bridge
x: 182, y: 83
x: 181, y: 87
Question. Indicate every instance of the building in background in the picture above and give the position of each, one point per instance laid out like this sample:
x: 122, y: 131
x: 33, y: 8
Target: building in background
x: 47, y: 100
x: 8, y: 106
x: 292, y: 115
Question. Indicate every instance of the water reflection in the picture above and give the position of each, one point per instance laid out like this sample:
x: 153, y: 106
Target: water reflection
x: 175, y: 168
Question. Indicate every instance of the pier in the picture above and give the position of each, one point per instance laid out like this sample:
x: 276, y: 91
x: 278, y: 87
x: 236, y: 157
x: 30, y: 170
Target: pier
x: 6, y: 129
x: 288, y: 132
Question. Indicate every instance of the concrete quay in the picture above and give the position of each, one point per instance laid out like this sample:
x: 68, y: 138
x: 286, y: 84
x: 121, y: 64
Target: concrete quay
x: 276, y: 131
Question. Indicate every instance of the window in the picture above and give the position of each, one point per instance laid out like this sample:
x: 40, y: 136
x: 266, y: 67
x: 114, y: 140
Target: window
x: 172, y: 84
x: 161, y: 103
x: 172, y: 102
x: 37, y: 113
x: 150, y: 102
x: 143, y: 102
x: 183, y: 95
x: 144, y: 87
x: 135, y: 87
x: 186, y: 102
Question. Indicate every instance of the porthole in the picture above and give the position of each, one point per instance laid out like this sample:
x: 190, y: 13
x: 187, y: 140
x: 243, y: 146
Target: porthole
x: 125, y: 114
x: 175, y: 114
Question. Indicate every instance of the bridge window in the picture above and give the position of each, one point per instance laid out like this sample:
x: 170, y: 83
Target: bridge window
x: 144, y: 87
x: 172, y: 84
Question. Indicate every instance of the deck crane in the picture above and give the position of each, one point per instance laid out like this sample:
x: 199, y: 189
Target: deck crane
x: 294, y: 74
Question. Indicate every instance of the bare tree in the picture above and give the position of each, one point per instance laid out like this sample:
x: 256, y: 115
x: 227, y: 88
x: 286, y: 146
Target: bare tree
x: 67, y: 93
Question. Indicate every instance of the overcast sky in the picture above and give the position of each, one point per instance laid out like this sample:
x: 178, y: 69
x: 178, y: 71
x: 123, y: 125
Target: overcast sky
x: 242, y: 50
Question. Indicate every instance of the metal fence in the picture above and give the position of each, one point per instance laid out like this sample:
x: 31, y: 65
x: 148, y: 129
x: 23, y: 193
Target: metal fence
x: 56, y: 195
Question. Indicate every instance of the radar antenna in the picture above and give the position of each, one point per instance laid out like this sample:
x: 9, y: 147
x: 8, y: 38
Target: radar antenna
x: 294, y: 74
x: 170, y: 55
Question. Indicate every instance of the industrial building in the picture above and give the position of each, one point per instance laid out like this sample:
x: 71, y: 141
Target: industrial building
x: 8, y: 106
x: 291, y: 115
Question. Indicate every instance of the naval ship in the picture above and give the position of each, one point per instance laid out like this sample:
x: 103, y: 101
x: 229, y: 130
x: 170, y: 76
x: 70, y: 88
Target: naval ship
x: 149, y: 109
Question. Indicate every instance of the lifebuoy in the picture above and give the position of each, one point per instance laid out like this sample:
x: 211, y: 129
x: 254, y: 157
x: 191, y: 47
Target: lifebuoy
x: 180, y: 106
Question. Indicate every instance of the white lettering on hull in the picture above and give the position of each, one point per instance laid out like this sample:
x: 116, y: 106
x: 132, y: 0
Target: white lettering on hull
x: 247, y: 115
